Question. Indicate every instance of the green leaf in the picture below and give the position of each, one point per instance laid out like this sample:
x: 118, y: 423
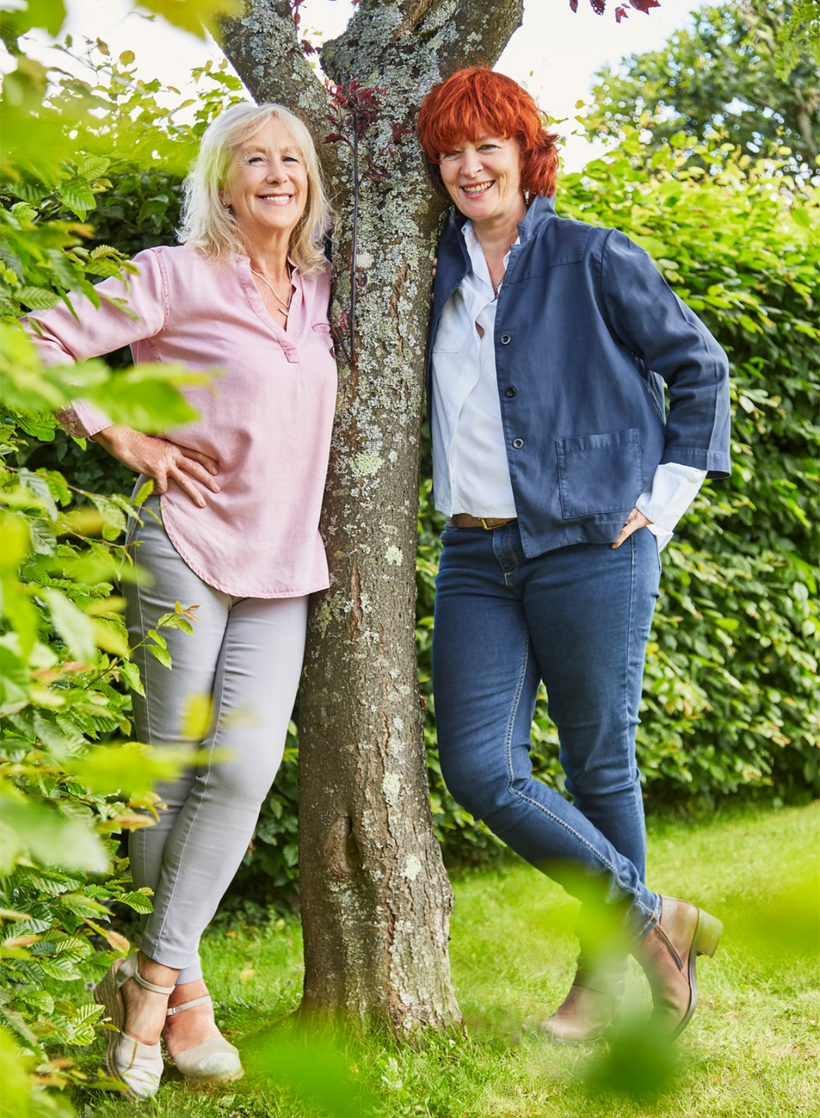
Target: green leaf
x: 15, y: 682
x: 130, y: 673
x: 162, y: 654
x: 127, y: 768
x: 111, y: 513
x: 28, y: 827
x: 138, y: 901
x: 76, y: 629
x: 36, y: 298
x: 77, y: 195
x: 39, y: 486
x: 194, y: 15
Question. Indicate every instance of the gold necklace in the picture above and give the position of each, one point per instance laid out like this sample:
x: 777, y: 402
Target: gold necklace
x: 284, y: 305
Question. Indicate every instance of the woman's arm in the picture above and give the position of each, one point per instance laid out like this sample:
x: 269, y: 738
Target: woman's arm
x: 63, y: 337
x: 160, y: 460
x: 646, y: 316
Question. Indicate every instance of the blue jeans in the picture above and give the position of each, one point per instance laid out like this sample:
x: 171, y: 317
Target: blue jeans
x: 577, y: 618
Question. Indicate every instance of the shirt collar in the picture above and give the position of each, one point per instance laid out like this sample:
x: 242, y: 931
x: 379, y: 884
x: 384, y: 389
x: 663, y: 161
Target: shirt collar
x: 476, y: 253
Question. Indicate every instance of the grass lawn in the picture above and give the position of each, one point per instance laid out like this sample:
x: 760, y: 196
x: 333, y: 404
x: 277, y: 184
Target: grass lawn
x: 752, y: 1049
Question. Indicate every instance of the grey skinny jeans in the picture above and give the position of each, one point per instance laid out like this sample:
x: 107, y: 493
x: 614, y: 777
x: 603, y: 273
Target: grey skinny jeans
x: 246, y: 655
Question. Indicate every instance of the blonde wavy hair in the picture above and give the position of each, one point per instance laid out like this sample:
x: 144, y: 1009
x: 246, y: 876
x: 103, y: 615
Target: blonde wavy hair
x: 208, y: 225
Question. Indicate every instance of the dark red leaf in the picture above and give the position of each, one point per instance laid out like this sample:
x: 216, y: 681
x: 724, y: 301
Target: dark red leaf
x: 645, y: 5
x: 307, y: 47
x: 598, y: 6
x: 621, y: 13
x: 574, y: 5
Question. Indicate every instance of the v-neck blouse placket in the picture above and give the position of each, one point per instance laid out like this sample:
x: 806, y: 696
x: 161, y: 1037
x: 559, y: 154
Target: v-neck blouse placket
x: 266, y: 417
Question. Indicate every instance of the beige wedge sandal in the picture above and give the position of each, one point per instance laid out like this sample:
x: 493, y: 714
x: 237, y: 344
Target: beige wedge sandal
x: 214, y: 1061
x: 138, y: 1066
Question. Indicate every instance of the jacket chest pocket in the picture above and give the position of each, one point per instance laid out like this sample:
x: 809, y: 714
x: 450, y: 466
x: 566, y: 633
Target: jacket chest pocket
x: 599, y: 474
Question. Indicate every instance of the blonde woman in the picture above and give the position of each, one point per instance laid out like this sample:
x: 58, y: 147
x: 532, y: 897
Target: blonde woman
x: 237, y: 498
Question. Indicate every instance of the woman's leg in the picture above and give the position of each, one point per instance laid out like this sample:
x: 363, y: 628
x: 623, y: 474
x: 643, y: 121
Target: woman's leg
x: 251, y: 672
x: 159, y: 715
x: 589, y: 611
x: 254, y: 689
x: 495, y: 609
x: 485, y: 681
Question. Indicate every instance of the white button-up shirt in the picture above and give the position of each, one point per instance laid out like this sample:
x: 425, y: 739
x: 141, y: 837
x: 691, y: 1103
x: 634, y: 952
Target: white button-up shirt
x: 470, y: 469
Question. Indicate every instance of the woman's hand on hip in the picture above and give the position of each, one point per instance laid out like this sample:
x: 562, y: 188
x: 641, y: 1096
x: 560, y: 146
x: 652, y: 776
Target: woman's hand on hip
x: 161, y: 460
x: 634, y: 521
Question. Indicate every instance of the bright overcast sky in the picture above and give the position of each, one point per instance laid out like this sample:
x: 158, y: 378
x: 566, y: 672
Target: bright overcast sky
x: 555, y: 53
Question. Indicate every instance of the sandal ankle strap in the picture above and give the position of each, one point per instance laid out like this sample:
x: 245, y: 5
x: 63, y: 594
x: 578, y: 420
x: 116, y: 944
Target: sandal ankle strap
x: 130, y: 969
x: 189, y: 1005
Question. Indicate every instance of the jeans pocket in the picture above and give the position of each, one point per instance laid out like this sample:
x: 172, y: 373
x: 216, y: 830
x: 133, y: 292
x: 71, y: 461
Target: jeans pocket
x: 599, y: 473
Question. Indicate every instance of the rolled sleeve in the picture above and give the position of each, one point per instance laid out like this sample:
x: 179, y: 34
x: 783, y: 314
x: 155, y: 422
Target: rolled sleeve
x: 126, y: 314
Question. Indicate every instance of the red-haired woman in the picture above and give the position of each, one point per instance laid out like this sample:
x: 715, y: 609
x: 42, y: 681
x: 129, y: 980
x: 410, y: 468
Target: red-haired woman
x: 561, y: 478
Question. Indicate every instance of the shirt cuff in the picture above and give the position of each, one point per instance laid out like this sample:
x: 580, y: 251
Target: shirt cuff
x: 82, y: 420
x: 671, y: 492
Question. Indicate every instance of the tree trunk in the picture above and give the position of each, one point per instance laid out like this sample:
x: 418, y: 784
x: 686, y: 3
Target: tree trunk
x: 376, y: 900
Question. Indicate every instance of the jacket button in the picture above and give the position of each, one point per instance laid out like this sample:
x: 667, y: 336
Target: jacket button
x: 509, y: 392
x: 505, y: 339
x: 518, y: 443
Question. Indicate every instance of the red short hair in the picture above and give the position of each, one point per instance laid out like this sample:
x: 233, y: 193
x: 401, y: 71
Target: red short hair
x: 478, y: 102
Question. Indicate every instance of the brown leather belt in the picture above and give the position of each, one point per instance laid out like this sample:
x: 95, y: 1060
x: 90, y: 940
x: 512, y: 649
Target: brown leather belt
x: 464, y: 520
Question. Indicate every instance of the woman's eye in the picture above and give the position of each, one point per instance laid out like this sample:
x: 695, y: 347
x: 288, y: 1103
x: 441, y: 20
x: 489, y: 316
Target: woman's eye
x: 256, y: 159
x: 451, y: 155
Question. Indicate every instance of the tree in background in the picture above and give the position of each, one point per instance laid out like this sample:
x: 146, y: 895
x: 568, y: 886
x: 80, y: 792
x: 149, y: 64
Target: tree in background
x: 726, y: 76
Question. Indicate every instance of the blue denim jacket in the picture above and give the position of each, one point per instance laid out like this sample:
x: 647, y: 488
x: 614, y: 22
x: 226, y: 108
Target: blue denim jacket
x: 586, y: 334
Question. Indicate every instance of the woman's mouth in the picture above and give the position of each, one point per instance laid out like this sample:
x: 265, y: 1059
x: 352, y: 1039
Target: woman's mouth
x: 478, y: 188
x: 275, y: 199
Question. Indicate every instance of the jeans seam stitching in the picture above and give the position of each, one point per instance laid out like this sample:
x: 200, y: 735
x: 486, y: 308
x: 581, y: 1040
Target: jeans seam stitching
x: 514, y: 710
x: 580, y: 838
x: 629, y: 651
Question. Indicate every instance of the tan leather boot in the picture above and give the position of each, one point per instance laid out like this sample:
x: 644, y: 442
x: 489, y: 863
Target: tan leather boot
x: 668, y: 956
x: 587, y: 1010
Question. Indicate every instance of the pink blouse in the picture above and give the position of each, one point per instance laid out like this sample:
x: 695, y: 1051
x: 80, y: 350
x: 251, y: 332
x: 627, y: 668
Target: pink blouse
x: 267, y: 420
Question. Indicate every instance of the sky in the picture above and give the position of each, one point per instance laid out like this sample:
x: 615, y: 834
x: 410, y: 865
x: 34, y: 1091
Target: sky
x: 555, y: 53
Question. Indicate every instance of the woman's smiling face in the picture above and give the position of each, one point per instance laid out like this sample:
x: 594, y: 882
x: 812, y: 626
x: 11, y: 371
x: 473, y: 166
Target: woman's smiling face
x: 483, y: 177
x: 268, y: 187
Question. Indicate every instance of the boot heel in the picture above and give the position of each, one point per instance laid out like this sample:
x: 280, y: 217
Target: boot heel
x: 707, y: 933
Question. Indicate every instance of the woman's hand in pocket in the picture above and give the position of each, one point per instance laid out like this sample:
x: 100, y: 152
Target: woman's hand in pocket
x: 634, y: 521
x: 161, y: 460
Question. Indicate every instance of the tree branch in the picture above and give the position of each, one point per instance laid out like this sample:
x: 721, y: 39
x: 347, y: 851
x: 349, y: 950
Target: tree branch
x: 429, y: 38
x: 264, y: 48
x: 478, y: 32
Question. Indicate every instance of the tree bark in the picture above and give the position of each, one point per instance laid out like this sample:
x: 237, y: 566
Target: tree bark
x: 376, y: 900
